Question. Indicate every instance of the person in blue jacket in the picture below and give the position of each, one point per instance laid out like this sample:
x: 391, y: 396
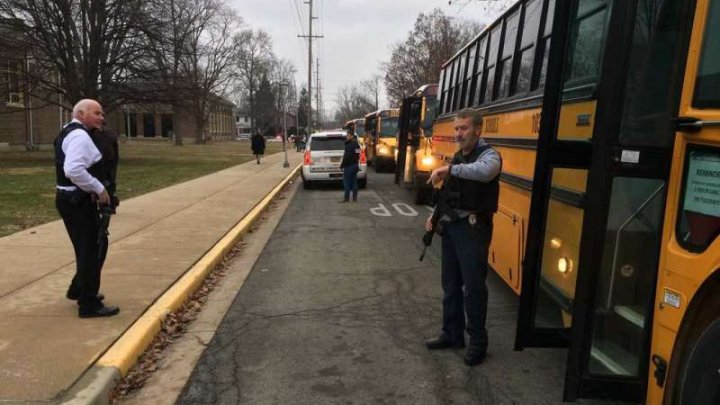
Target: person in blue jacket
x: 350, y: 166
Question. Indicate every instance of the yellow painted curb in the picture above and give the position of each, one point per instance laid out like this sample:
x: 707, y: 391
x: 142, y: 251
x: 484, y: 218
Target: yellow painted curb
x: 124, y: 353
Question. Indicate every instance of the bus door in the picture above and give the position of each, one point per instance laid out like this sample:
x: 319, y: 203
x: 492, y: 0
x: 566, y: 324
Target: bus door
x: 370, y: 136
x: 408, y: 139
x: 693, y: 225
x: 590, y: 268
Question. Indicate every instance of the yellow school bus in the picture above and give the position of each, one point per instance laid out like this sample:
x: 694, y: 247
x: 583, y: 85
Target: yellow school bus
x: 607, y: 117
x: 415, y: 159
x: 381, y: 129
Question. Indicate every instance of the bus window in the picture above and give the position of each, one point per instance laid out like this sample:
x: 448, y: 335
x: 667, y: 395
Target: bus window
x: 505, y: 66
x: 707, y: 87
x: 545, y: 42
x: 458, y: 81
x: 451, y: 77
x: 389, y: 127
x: 466, y: 93
x: 589, y: 5
x: 492, y: 60
x: 562, y: 248
x: 479, y: 71
x: 652, y: 87
x: 629, y: 264
x: 587, y: 41
x: 444, y: 83
x: 699, y: 218
x: 533, y: 10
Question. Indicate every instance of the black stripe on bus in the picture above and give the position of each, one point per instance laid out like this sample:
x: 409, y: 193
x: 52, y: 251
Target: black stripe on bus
x: 564, y: 195
x: 512, y: 142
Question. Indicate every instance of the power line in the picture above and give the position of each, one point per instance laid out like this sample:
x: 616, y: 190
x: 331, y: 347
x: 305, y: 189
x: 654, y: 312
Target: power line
x: 310, y: 38
x: 298, y: 21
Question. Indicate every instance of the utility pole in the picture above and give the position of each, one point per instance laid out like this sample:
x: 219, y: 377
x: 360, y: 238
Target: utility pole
x: 285, y: 85
x: 317, y: 92
x: 310, y: 38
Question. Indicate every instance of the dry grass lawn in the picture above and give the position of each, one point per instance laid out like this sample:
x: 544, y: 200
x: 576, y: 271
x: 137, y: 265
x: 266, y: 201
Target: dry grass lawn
x: 27, y: 179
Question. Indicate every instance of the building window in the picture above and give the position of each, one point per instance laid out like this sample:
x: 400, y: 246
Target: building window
x: 11, y: 87
x: 148, y: 125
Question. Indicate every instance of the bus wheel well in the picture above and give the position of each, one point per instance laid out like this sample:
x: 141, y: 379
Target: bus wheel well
x: 702, y: 311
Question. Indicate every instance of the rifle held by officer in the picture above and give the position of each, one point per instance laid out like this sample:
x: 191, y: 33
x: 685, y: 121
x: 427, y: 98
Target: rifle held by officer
x: 442, y: 208
x: 104, y: 213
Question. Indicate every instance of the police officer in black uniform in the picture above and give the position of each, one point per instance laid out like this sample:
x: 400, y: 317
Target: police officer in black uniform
x: 469, y: 200
x: 83, y: 194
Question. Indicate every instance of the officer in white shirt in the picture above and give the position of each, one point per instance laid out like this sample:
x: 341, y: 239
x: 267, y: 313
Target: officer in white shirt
x: 80, y: 191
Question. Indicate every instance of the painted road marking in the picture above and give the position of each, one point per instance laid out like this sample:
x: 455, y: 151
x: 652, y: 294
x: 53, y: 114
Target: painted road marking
x: 380, y: 211
x: 402, y: 209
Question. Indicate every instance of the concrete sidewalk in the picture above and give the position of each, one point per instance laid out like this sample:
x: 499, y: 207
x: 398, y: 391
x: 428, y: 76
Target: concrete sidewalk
x: 155, y: 238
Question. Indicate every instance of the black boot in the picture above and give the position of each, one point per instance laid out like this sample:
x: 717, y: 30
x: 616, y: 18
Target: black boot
x: 444, y: 342
x: 474, y: 356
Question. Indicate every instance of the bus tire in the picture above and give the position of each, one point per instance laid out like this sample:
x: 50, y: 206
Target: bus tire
x: 699, y: 383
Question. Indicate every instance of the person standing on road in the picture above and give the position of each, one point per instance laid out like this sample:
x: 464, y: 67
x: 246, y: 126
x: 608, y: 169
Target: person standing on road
x: 471, y: 190
x: 350, y: 167
x: 258, y: 146
x: 81, y: 194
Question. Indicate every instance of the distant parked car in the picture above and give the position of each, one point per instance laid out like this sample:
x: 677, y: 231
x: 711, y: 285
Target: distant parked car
x: 243, y: 136
x: 323, y: 155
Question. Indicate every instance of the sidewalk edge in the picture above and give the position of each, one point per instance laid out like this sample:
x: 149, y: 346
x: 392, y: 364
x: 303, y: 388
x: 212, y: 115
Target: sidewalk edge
x: 97, y: 382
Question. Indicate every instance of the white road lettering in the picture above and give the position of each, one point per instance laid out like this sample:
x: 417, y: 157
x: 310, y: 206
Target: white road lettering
x: 381, y: 211
x: 405, y: 210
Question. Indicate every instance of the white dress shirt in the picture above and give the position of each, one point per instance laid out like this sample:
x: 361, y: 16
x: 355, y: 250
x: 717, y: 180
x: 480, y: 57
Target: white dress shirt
x: 80, y: 154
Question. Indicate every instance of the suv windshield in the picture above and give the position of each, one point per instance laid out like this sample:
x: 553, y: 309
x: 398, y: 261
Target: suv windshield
x: 329, y: 143
x: 389, y: 127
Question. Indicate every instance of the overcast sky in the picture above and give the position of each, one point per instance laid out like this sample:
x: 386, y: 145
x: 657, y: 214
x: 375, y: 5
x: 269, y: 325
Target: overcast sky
x: 357, y: 34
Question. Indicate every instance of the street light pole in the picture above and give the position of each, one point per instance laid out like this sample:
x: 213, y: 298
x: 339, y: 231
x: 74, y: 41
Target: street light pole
x: 286, y: 163
x: 127, y: 120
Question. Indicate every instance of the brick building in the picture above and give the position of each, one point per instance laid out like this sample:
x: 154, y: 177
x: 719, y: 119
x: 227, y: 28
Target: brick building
x: 23, y: 120
x: 33, y: 121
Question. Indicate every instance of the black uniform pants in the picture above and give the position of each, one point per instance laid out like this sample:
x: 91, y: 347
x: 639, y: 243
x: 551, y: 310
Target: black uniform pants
x: 464, y: 268
x: 80, y: 215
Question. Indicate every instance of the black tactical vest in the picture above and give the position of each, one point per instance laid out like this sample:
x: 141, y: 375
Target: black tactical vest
x: 471, y: 195
x: 60, y: 178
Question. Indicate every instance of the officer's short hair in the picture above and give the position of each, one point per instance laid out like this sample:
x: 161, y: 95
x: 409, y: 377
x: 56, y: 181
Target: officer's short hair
x: 477, y: 119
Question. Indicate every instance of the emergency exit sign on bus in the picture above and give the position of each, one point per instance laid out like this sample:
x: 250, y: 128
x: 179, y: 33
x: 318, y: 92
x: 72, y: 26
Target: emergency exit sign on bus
x: 702, y: 187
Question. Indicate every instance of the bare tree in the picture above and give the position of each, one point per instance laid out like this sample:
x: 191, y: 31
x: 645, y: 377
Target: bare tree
x: 252, y: 60
x: 418, y: 59
x: 281, y: 76
x: 372, y: 87
x: 80, y: 49
x: 354, y: 101
x: 207, y: 60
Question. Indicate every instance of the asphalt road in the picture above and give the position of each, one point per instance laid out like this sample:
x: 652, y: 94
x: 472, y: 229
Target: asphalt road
x: 336, y: 311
